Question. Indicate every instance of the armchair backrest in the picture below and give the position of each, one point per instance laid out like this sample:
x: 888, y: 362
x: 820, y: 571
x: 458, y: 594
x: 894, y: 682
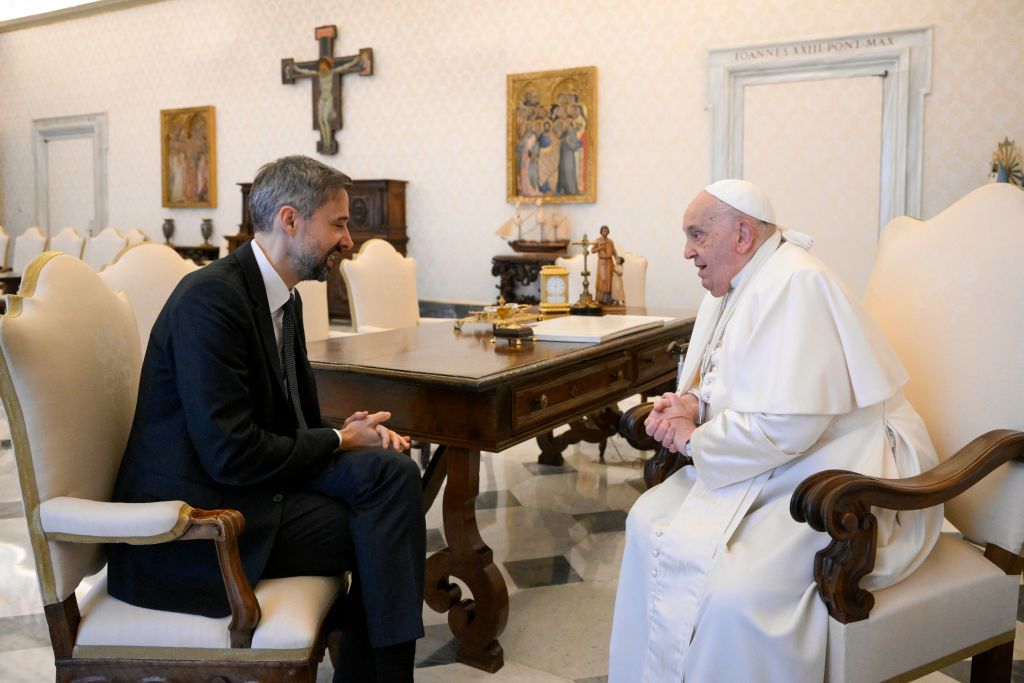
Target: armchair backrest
x: 101, y: 250
x: 69, y: 372
x: 949, y: 295
x: 27, y: 246
x: 381, y: 287
x: 316, y: 324
x: 634, y: 276
x: 5, y: 243
x: 147, y: 273
x: 69, y: 241
x: 135, y: 236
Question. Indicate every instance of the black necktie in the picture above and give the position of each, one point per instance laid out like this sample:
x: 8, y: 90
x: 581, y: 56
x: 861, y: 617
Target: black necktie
x: 288, y: 360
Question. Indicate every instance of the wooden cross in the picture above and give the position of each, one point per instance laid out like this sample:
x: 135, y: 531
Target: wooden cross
x: 326, y: 73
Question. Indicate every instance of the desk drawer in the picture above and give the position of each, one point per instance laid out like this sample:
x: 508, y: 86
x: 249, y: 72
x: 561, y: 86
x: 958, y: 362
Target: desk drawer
x: 653, y: 361
x: 586, y: 385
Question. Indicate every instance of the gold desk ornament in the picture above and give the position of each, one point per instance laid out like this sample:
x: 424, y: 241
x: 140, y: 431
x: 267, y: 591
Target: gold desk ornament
x: 586, y: 305
x: 501, y: 315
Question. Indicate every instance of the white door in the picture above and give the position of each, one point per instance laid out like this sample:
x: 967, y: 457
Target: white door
x: 71, y: 186
x: 815, y: 148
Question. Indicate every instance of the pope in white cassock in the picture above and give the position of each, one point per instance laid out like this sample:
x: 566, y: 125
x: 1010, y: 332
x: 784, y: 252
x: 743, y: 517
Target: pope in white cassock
x: 785, y: 376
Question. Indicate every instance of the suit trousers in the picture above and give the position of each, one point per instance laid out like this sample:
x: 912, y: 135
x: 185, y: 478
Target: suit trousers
x: 363, y: 512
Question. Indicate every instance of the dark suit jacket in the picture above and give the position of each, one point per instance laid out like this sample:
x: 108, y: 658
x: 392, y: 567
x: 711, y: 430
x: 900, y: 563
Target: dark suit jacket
x: 213, y: 427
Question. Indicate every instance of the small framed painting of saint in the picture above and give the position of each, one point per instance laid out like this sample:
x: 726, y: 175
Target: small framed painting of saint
x: 551, y: 136
x: 188, y: 156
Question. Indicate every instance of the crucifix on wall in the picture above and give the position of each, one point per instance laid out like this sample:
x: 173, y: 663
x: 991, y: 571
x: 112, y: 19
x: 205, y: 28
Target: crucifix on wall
x: 326, y: 73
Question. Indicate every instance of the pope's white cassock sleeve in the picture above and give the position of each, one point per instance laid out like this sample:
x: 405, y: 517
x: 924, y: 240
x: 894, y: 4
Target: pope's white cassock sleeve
x: 717, y: 578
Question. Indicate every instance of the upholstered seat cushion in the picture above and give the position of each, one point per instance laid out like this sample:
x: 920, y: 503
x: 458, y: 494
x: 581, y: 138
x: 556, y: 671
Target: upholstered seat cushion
x: 963, y: 597
x: 292, y: 611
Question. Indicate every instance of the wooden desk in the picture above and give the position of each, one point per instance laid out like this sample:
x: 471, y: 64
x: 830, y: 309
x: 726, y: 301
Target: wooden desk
x: 457, y: 390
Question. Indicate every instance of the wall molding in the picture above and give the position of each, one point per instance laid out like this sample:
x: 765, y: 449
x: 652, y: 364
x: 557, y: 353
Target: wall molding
x: 901, y: 58
x: 44, y: 131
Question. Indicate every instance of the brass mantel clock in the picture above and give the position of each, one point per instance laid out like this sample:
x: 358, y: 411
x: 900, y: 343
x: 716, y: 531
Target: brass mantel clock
x: 554, y: 290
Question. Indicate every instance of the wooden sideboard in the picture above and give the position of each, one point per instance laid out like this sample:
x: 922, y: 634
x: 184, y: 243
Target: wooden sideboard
x: 376, y: 209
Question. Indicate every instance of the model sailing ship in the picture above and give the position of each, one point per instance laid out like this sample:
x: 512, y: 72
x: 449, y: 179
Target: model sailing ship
x: 538, y: 231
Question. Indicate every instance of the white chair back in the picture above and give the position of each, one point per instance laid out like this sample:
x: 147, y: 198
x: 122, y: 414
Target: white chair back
x: 27, y: 246
x: 955, y: 316
x: 70, y: 423
x: 315, y: 319
x: 69, y: 241
x: 381, y: 287
x: 634, y: 276
x: 135, y: 236
x: 102, y: 249
x: 147, y: 273
x: 5, y: 243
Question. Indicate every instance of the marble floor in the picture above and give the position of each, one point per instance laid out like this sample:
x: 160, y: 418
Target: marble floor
x: 557, y: 536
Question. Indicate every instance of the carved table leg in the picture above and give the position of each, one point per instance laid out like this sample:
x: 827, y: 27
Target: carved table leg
x: 595, y: 428
x: 478, y: 621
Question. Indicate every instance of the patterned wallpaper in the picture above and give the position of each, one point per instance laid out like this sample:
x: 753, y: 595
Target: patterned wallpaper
x: 434, y: 112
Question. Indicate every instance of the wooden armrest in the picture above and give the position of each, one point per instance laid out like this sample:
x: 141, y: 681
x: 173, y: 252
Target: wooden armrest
x: 223, y: 528
x: 664, y: 463
x: 631, y: 428
x: 839, y: 503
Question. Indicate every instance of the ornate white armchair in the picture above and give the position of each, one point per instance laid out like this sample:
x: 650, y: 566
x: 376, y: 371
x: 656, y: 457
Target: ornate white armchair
x: 955, y: 317
x: 316, y: 322
x: 69, y: 241
x: 634, y: 276
x: 135, y: 236
x: 147, y: 274
x: 68, y: 451
x: 5, y: 243
x: 102, y: 249
x: 381, y: 288
x: 27, y: 246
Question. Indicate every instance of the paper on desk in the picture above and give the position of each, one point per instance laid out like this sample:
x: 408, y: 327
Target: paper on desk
x: 583, y: 328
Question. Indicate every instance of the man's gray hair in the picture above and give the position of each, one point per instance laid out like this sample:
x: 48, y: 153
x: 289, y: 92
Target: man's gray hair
x: 297, y: 181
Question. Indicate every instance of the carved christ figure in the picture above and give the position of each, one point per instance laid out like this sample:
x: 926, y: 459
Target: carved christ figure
x: 327, y: 115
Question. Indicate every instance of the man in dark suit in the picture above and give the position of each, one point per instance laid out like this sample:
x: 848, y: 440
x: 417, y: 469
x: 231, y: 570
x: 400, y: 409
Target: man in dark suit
x: 228, y: 417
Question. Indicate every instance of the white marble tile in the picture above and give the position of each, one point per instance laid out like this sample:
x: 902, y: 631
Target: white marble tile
x: 27, y: 666
x: 598, y: 556
x: 19, y: 589
x: 512, y: 672
x: 520, y: 533
x: 935, y: 677
x: 563, y: 630
x: 576, y: 492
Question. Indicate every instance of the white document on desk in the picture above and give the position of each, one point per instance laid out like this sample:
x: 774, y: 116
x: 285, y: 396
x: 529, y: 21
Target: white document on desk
x: 585, y: 328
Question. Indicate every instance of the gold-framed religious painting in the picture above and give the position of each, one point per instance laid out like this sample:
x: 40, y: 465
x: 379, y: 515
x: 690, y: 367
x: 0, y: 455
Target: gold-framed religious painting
x: 552, y: 136
x: 188, y: 157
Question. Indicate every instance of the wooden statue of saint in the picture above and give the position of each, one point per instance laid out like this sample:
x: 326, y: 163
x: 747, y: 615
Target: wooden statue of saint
x: 608, y: 286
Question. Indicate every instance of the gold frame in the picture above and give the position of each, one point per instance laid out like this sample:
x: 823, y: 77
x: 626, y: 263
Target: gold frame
x: 545, y: 88
x: 182, y: 121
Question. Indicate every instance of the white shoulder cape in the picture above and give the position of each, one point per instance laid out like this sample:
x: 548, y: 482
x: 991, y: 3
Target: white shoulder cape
x: 799, y: 343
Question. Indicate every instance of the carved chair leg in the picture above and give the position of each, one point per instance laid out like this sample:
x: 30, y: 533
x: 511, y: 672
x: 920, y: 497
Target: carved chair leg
x: 993, y: 665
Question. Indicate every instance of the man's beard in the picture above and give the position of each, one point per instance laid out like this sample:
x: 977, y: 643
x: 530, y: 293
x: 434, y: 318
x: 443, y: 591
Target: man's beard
x: 310, y: 266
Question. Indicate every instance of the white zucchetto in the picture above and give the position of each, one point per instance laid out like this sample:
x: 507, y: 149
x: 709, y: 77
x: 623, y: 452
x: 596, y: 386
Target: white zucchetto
x: 744, y: 196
